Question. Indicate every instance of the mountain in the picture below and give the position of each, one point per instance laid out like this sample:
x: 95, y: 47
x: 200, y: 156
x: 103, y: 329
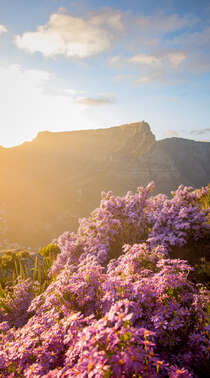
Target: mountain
x: 47, y: 184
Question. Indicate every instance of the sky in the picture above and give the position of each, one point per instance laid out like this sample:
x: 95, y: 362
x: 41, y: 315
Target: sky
x: 73, y: 65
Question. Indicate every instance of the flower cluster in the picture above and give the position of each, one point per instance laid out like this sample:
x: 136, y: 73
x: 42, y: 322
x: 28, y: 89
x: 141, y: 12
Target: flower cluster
x: 117, y: 305
x: 175, y: 221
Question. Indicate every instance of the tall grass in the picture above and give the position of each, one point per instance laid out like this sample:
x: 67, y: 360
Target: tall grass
x: 15, y: 264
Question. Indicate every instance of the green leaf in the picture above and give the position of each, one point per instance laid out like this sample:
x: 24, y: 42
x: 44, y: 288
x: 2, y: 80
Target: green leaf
x: 35, y: 268
x: 16, y: 269
x: 2, y: 292
x: 5, y: 307
x: 22, y: 272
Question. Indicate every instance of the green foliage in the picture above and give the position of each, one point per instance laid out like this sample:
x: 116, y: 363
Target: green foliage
x: 15, y: 264
x: 205, y: 202
x: 50, y: 251
x: 9, y: 258
x: 35, y: 269
x: 42, y: 263
x: 49, y: 254
x: 2, y: 293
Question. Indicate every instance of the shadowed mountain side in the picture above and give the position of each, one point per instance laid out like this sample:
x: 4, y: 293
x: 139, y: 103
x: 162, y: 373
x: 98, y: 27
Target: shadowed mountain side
x: 174, y: 161
x: 47, y: 184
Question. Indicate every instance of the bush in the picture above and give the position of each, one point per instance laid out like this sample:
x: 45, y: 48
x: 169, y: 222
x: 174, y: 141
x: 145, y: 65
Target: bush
x: 50, y: 251
x: 118, y: 305
x: 13, y: 264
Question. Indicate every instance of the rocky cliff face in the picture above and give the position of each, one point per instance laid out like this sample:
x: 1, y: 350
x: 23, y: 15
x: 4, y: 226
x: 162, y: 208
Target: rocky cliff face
x: 47, y: 184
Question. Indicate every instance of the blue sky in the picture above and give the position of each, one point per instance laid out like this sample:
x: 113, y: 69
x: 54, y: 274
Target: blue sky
x: 68, y: 65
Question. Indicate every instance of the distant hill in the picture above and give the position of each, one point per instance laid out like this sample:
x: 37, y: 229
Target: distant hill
x: 47, y: 184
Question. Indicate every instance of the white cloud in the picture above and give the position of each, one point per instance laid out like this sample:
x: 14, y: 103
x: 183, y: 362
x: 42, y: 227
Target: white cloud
x: 145, y: 59
x: 195, y: 46
x: 194, y: 40
x: 72, y: 36
x: 94, y: 101
x: 163, y: 23
x: 158, y: 68
x: 169, y: 133
x: 152, y: 77
x: 200, y: 131
x: 144, y: 79
x: 163, y: 56
x: 175, y: 58
x: 3, y: 29
x: 115, y: 60
x: 108, y: 17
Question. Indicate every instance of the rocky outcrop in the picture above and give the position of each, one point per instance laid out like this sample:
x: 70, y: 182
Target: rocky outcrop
x: 47, y: 184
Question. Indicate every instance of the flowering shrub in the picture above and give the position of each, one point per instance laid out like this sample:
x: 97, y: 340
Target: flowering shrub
x: 117, y: 305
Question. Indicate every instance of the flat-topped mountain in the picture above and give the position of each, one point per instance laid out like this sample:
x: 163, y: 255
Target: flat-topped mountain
x: 47, y: 184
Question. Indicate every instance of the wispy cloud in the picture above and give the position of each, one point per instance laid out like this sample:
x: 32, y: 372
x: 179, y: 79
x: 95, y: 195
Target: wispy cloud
x: 201, y: 131
x: 72, y: 36
x: 175, y: 58
x: 160, y: 68
x: 162, y: 23
x: 151, y: 78
x: 94, y: 101
x: 3, y: 29
x: 167, y: 47
x: 194, y: 39
x: 169, y: 133
x: 115, y: 60
x: 145, y: 59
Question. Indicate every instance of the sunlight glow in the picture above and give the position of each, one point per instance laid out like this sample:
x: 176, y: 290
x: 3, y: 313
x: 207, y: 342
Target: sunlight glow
x: 28, y: 106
